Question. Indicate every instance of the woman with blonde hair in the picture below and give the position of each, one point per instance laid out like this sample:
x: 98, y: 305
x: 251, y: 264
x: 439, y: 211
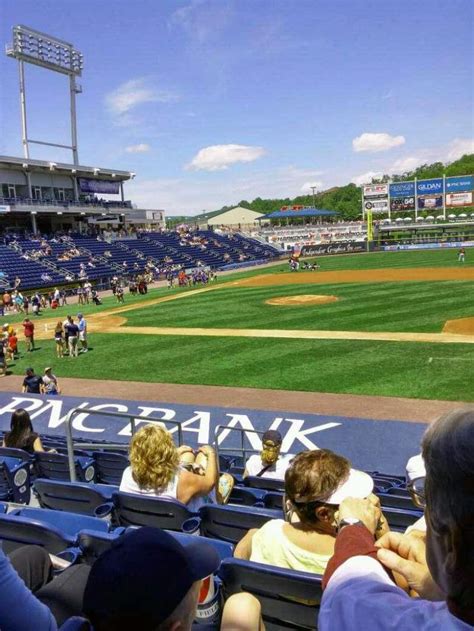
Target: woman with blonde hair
x: 155, y: 469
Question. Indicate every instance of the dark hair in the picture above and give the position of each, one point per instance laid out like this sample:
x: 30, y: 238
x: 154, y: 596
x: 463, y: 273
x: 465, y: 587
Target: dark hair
x: 21, y: 429
x: 449, y: 485
x: 312, y: 477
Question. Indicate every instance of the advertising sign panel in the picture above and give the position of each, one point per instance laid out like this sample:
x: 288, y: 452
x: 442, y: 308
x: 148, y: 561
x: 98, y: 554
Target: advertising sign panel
x: 4, y: 209
x: 459, y: 183
x: 375, y: 190
x: 402, y: 189
x: 398, y: 204
x: 459, y: 199
x: 334, y: 248
x: 87, y: 185
x: 376, y: 197
x: 433, y: 201
x: 429, y: 187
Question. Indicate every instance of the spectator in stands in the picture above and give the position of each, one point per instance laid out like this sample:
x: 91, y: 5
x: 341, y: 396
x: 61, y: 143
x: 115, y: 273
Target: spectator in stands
x: 415, y: 476
x: 359, y: 593
x: 50, y: 382
x: 269, y: 463
x: 315, y: 484
x: 29, y: 331
x: 21, y: 434
x: 149, y: 581
x: 155, y: 469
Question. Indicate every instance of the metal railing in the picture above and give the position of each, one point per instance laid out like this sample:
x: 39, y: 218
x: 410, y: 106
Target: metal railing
x: 132, y: 419
x: 243, y: 449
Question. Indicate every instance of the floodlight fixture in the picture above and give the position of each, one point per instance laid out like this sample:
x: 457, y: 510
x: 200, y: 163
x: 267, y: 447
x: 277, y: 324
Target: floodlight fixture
x: 33, y: 47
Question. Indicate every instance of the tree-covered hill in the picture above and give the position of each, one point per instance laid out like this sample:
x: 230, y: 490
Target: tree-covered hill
x: 347, y: 199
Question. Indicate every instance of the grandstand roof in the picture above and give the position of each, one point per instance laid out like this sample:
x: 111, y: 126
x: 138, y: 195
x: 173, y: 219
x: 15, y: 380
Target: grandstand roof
x: 300, y: 212
x: 78, y: 170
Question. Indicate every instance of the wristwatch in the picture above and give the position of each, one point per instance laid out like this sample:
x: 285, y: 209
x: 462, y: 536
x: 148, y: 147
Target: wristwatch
x: 348, y: 521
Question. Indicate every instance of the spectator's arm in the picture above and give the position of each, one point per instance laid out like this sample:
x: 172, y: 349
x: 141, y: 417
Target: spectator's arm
x: 38, y: 445
x: 243, y: 550
x: 19, y: 609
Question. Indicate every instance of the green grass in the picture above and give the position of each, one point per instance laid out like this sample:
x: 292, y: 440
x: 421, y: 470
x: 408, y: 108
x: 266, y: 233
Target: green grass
x: 354, y: 367
x: 345, y: 366
x: 361, y: 307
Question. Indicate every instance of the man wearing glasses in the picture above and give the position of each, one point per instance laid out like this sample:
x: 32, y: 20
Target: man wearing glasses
x: 269, y: 463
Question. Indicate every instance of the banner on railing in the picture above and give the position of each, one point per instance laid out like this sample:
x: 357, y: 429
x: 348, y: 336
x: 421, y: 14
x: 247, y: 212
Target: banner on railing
x: 87, y: 185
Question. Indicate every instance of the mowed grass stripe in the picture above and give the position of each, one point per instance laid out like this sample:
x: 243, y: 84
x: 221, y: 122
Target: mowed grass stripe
x: 410, y: 306
x: 388, y: 368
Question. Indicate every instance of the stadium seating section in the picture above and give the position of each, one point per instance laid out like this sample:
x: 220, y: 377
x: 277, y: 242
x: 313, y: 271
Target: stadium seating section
x: 103, y: 260
x: 79, y: 520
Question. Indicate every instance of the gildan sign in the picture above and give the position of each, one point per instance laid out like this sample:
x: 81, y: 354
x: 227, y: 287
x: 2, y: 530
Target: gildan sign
x: 429, y: 187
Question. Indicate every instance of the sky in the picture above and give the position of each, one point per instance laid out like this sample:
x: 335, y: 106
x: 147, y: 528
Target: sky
x: 211, y: 102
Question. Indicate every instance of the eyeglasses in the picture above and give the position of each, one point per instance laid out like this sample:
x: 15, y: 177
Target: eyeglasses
x: 417, y: 491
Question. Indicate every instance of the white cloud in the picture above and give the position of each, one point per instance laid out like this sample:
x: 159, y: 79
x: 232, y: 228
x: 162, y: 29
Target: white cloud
x: 129, y: 95
x: 409, y: 163
x: 307, y: 186
x: 140, y: 148
x: 458, y: 147
x: 366, y: 178
x: 220, y: 157
x: 376, y: 142
x: 192, y: 194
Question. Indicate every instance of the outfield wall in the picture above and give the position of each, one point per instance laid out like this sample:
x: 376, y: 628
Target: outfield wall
x: 428, y: 246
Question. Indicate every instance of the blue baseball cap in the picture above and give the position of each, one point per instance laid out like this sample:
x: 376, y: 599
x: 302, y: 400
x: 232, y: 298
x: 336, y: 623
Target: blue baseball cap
x: 141, y: 579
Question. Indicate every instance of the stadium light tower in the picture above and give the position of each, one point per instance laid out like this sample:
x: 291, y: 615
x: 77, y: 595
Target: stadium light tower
x: 34, y: 47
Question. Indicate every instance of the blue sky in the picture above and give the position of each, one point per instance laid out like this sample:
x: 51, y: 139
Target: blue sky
x: 213, y: 101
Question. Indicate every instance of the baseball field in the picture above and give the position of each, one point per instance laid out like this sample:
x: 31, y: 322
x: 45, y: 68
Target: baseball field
x: 394, y: 324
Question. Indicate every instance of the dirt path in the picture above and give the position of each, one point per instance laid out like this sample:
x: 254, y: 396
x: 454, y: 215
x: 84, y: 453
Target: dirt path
x: 362, y: 406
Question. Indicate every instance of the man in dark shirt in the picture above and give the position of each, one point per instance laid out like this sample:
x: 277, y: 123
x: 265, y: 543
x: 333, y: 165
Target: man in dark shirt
x: 32, y: 383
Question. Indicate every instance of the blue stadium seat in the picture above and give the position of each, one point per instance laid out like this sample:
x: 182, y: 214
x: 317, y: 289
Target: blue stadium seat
x: 390, y: 500
x: 246, y: 497
x: 68, y: 523
x: 399, y: 519
x: 139, y: 510
x: 264, y: 483
x: 110, y: 466
x: 273, y: 500
x: 76, y: 623
x: 76, y: 497
x: 56, y: 467
x: 16, y: 531
x: 277, y: 590
x: 92, y: 543
x: 231, y: 523
x: 14, y: 480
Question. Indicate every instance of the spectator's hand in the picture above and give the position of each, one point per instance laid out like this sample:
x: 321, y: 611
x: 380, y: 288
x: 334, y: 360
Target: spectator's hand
x: 364, y: 510
x: 207, y: 450
x: 382, y: 524
x: 184, y: 449
x: 406, y: 555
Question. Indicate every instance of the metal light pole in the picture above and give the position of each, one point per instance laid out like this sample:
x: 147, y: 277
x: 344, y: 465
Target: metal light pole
x: 40, y: 49
x: 313, y: 188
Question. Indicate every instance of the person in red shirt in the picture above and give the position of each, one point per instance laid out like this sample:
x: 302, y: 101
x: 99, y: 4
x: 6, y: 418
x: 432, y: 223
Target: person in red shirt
x: 12, y: 346
x: 29, y: 329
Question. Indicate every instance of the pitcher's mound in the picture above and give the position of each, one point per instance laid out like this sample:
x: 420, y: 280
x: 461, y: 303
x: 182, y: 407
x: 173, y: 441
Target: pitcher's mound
x: 291, y: 301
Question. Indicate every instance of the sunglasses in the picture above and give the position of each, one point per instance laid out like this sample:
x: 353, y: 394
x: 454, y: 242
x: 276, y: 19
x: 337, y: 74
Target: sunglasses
x: 417, y: 491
